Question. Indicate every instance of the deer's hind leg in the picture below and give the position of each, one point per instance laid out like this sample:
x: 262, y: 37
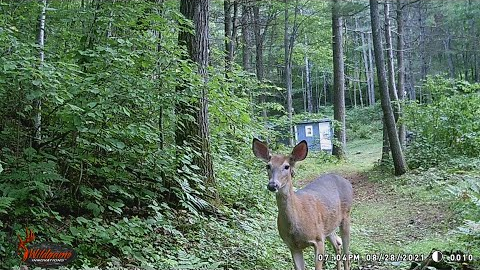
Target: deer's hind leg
x: 319, y: 247
x: 345, y: 234
x: 336, y: 244
x: 298, y: 261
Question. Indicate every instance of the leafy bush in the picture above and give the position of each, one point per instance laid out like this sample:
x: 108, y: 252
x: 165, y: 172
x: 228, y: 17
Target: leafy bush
x: 467, y: 191
x: 447, y: 126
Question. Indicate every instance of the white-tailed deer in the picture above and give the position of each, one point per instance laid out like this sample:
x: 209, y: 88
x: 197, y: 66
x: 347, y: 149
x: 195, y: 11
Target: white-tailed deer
x: 312, y: 214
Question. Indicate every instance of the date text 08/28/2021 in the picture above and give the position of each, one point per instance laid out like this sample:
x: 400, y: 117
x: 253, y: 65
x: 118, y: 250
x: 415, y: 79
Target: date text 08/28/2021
x: 381, y: 257
x: 372, y: 257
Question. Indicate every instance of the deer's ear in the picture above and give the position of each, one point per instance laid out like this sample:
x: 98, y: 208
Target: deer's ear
x: 300, y: 151
x: 260, y: 150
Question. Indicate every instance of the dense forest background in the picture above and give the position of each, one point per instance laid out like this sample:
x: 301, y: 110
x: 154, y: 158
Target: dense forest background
x: 126, y: 126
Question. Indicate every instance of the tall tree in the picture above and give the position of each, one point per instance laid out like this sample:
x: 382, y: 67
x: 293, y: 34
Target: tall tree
x: 366, y: 63
x: 230, y: 31
x: 246, y: 37
x: 338, y: 80
x: 390, y: 61
x: 259, y: 46
x: 371, y: 92
x: 37, y: 103
x: 228, y: 34
x: 391, y: 78
x: 308, y: 83
x: 401, y: 69
x: 397, y: 153
x: 289, y: 42
x: 196, y: 133
x: 288, y: 74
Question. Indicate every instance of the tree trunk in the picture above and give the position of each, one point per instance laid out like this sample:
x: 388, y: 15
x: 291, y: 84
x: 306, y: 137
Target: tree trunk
x: 385, y: 143
x: 317, y: 93
x: 37, y: 103
x: 196, y: 133
x: 234, y: 38
x: 308, y: 85
x: 304, y: 94
x: 338, y: 81
x: 390, y: 61
x: 246, y: 48
x: 395, y: 147
x: 289, y: 42
x: 401, y: 71
x: 449, y: 52
x: 371, y: 92
x: 228, y: 35
x: 288, y: 75
x: 366, y: 65
x: 357, y: 59
x: 325, y: 86
x: 259, y: 54
x: 423, y: 49
x: 390, y: 66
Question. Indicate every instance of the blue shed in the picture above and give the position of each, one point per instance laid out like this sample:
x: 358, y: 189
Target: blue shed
x: 317, y: 133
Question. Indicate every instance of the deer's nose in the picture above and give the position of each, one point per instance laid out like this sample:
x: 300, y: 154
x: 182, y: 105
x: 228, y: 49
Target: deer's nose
x: 272, y: 186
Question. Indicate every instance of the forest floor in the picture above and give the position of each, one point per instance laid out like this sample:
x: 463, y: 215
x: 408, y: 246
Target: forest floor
x: 391, y: 215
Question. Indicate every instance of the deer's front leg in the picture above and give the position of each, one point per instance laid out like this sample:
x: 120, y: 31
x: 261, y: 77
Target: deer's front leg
x: 298, y: 260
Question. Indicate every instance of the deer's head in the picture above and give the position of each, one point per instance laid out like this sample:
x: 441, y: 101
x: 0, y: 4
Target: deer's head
x: 279, y: 167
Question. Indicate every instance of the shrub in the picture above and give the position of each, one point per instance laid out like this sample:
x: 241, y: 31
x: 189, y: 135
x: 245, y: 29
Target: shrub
x: 447, y: 126
x: 363, y: 123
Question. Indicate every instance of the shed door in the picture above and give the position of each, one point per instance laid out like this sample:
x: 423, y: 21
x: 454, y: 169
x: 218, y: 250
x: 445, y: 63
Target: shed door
x: 325, y: 136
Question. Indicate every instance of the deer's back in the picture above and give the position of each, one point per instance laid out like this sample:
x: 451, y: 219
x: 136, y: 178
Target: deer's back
x: 331, y: 190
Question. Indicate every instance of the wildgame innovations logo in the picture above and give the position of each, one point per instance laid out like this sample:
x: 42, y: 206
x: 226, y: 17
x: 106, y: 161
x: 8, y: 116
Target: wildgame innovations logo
x: 44, y: 254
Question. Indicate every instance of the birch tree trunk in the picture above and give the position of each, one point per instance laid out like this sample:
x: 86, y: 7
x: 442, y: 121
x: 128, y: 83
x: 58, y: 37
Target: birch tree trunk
x: 37, y: 103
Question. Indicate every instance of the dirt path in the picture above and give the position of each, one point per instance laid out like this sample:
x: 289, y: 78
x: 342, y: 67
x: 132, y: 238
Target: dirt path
x: 390, y: 215
x: 385, y: 221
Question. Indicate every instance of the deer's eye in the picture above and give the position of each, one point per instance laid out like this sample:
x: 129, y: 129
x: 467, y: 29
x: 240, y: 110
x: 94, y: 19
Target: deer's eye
x: 286, y: 167
x: 268, y: 167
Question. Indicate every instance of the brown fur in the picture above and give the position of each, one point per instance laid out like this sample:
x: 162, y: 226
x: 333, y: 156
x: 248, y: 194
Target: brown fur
x: 311, y: 215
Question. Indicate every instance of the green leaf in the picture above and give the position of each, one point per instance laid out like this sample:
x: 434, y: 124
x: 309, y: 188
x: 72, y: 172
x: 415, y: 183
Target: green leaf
x: 118, y: 144
x: 125, y: 111
x: 74, y: 230
x: 82, y: 220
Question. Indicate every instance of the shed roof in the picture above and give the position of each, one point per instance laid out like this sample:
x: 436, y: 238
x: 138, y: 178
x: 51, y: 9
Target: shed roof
x: 314, y: 121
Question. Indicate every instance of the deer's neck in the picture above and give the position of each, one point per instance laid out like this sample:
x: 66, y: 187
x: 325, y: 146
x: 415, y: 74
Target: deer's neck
x: 286, y: 201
